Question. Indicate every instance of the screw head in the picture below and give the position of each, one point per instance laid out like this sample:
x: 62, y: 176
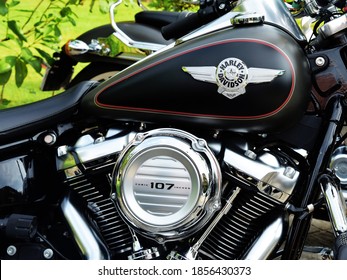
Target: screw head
x: 48, y: 254
x: 320, y: 61
x: 11, y: 250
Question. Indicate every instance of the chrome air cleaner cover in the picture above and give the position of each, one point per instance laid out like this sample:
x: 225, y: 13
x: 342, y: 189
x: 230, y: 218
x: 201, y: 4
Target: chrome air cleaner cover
x: 166, y: 184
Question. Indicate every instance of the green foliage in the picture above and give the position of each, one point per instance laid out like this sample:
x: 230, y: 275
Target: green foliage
x: 28, y: 33
x: 173, y: 5
x: 103, y: 5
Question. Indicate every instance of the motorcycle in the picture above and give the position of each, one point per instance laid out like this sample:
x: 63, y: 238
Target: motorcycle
x: 222, y: 145
x: 109, y: 48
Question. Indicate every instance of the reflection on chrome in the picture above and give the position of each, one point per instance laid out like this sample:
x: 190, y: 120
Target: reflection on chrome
x: 89, y: 243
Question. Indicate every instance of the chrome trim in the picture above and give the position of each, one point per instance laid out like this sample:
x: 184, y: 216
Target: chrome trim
x: 336, y: 204
x: 232, y: 76
x: 93, y: 150
x: 152, y: 210
x: 125, y: 38
x: 312, y: 8
x: 317, y: 253
x: 131, y: 56
x: 88, y: 241
x: 332, y: 27
x: 267, y: 242
x: 246, y: 19
x: 193, y: 251
x: 272, y: 179
x: 338, y: 163
x: 139, y: 3
x: 275, y: 12
x: 220, y: 23
x: 87, y: 148
x: 139, y: 252
x: 78, y: 47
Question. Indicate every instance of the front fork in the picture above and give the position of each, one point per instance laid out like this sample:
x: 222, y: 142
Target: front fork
x: 318, y: 181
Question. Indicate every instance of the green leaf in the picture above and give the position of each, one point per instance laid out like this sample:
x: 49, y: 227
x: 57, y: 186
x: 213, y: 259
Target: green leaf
x: 48, y: 29
x: 3, y: 8
x: 24, y: 10
x: 26, y: 54
x: 21, y: 72
x: 5, y: 102
x: 72, y: 20
x: 13, y: 3
x: 11, y: 60
x: 50, y: 39
x: 38, y: 33
x: 4, y: 66
x: 36, y: 63
x: 57, y: 32
x: 4, y: 77
x: 65, y: 11
x: 74, y: 2
x: 45, y: 56
x: 12, y: 24
x: 103, y: 7
x: 28, y: 58
x: 19, y: 42
x: 92, y: 3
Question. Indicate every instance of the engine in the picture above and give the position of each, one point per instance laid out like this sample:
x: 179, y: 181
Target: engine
x: 167, y: 184
x: 167, y: 194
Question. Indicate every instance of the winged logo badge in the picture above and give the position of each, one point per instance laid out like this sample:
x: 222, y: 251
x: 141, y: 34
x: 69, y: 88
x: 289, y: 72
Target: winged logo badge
x: 232, y: 76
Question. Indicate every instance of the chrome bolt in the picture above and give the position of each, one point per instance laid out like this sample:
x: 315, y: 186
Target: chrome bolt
x: 62, y: 151
x: 201, y: 143
x: 160, y: 239
x: 99, y: 140
x: 221, y: 6
x: 48, y: 254
x: 216, y: 205
x: 250, y: 154
x: 142, y: 127
x: 11, y: 250
x: 264, y: 135
x: 216, y: 133
x: 289, y: 172
x: 139, y: 137
x: 50, y: 138
x: 320, y: 61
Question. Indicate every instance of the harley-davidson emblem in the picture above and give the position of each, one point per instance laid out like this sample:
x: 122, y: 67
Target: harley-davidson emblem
x: 232, y: 75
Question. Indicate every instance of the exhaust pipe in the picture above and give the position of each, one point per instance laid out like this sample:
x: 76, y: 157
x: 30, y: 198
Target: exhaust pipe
x: 87, y: 239
x: 268, y: 241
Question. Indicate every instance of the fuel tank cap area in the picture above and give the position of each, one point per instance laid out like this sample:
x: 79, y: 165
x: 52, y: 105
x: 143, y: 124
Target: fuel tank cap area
x: 247, y: 19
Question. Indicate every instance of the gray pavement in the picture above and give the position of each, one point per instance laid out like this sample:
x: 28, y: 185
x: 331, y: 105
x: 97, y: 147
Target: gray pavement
x: 320, y: 235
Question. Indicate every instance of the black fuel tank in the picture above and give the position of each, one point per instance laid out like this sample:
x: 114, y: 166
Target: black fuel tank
x: 254, y: 79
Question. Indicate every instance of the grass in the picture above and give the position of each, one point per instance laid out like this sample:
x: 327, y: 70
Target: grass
x: 86, y: 20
